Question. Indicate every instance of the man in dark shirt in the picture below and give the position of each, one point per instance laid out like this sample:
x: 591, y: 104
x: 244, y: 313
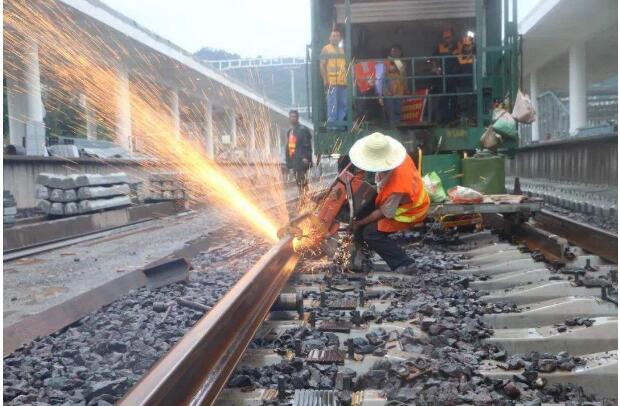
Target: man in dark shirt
x: 298, y: 150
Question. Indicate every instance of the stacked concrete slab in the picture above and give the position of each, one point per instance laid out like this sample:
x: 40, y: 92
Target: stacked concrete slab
x: 68, y: 195
x: 10, y: 209
x: 165, y: 186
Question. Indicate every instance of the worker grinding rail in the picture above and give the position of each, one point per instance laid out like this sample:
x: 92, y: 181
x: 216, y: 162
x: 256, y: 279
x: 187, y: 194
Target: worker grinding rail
x: 401, y: 199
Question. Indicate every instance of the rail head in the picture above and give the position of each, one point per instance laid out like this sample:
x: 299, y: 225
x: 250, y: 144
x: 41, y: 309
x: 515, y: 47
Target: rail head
x: 196, y: 369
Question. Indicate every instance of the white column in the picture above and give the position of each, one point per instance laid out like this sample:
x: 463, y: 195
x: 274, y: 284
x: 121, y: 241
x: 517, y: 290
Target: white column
x: 89, y: 114
x: 176, y: 120
x: 35, y: 129
x: 252, y: 143
x: 18, y: 112
x: 233, y: 129
x: 534, y: 98
x: 123, y: 111
x: 281, y: 152
x: 577, y: 87
x: 33, y: 83
x: 267, y: 136
x: 208, y: 128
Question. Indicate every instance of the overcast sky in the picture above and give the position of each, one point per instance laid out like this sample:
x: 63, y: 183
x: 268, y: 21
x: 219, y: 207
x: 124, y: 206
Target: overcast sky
x: 269, y: 28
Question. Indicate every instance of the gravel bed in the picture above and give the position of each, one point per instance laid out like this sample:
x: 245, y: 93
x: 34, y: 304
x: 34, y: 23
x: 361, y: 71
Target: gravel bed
x: 99, y: 358
x: 448, y: 313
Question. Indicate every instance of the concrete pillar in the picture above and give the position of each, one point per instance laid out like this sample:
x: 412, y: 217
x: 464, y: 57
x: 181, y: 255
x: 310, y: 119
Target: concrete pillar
x: 89, y: 114
x: 35, y: 129
x: 534, y: 98
x: 33, y: 83
x: 208, y: 129
x: 252, y: 143
x: 16, y: 104
x: 267, y: 143
x: 281, y: 152
x: 233, y: 129
x: 123, y: 111
x: 176, y: 119
x: 577, y: 87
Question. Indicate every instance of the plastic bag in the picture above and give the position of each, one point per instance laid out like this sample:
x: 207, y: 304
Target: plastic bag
x: 523, y: 110
x: 505, y: 125
x: 460, y: 194
x: 434, y: 188
x: 490, y: 138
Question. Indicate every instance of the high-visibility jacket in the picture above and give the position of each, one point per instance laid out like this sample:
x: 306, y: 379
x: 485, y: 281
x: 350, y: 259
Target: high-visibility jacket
x: 292, y: 144
x: 465, y: 57
x: 365, y: 75
x: 335, y: 64
x: 404, y: 179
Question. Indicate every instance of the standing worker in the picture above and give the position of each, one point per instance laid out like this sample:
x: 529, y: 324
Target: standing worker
x: 333, y: 71
x: 298, y: 150
x: 446, y: 49
x: 401, y: 199
x: 367, y: 85
x: 466, y: 53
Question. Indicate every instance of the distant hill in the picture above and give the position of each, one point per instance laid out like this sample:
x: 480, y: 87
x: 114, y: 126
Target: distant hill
x: 273, y: 82
x: 213, y: 54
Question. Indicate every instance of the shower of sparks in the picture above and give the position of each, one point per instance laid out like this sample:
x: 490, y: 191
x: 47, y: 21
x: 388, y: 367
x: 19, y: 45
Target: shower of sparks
x: 78, y: 57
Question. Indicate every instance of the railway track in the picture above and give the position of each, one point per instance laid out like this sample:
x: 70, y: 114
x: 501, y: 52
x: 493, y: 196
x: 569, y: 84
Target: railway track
x: 484, y: 321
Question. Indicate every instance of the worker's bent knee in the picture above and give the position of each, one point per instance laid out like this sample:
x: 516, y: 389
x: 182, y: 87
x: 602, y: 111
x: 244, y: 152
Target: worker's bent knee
x: 369, y: 232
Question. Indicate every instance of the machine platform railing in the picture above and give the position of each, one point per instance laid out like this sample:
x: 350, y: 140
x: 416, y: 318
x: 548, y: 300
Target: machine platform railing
x: 441, y: 76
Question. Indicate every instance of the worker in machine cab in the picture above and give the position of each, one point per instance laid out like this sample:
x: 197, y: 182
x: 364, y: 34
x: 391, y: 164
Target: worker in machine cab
x: 393, y: 92
x: 466, y: 53
x: 395, y: 86
x: 446, y: 65
x: 333, y: 72
x: 401, y: 199
x: 298, y: 150
x: 368, y: 80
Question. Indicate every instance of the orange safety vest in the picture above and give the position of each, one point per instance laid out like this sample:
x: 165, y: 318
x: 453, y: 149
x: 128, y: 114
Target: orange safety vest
x: 464, y: 58
x: 292, y: 144
x: 404, y: 179
x: 365, y: 75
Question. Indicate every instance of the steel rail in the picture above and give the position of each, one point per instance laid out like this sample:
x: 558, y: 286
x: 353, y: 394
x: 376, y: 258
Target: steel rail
x: 196, y: 369
x: 592, y: 239
x: 550, y: 232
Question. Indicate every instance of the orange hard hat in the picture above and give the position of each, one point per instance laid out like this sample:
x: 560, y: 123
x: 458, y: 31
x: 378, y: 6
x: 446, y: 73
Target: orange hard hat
x: 446, y: 34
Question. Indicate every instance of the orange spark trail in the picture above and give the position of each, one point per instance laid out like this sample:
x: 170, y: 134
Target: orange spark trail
x: 78, y: 59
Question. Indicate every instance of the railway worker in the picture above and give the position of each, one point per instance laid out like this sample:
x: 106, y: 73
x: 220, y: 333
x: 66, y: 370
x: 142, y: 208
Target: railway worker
x: 465, y: 57
x: 333, y: 71
x: 401, y: 199
x: 298, y: 150
x: 369, y: 82
x: 395, y: 85
x: 446, y: 48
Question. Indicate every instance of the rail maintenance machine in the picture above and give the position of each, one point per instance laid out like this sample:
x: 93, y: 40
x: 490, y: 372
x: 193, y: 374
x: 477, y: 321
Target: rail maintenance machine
x: 458, y: 64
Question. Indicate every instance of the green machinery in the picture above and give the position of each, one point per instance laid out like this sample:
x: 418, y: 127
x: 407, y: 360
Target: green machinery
x: 369, y: 27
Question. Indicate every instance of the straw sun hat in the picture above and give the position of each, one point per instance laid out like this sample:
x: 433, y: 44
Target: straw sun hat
x: 377, y: 153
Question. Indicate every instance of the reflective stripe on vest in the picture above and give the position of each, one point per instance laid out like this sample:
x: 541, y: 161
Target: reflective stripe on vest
x: 410, y: 213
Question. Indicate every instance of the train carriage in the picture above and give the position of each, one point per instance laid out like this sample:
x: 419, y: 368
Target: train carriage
x: 370, y: 27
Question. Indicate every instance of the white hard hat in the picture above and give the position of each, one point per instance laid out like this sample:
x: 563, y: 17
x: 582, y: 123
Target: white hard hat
x: 377, y: 153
